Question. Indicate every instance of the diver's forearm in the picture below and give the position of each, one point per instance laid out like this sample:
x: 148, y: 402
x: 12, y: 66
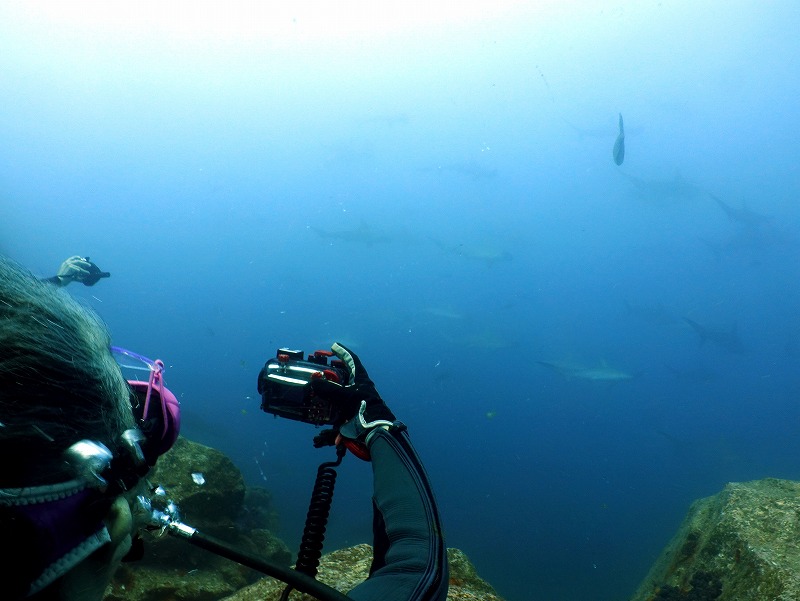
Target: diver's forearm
x: 410, y: 560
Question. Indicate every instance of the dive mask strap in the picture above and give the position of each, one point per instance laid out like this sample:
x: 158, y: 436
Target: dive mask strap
x: 156, y: 381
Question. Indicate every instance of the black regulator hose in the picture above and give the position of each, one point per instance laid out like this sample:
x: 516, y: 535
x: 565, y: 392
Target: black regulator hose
x: 295, y: 579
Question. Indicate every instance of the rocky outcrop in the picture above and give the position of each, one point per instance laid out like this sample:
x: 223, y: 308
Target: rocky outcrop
x: 739, y: 545
x: 345, y: 568
x: 212, y: 496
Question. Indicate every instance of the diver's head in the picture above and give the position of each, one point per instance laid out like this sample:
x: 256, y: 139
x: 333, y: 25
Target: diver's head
x: 59, y: 383
x: 70, y: 451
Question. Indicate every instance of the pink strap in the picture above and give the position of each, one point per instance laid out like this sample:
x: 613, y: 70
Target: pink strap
x: 156, y: 379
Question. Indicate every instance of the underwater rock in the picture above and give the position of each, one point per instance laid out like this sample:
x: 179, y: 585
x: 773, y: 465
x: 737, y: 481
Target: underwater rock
x: 218, y: 504
x: 740, y: 544
x: 345, y: 568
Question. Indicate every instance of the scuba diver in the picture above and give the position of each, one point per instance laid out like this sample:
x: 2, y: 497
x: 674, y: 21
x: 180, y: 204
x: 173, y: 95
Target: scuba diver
x: 77, y: 441
x: 78, y: 269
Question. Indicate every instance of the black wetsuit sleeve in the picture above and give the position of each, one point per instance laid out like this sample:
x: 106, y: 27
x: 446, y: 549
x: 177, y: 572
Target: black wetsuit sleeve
x: 410, y: 556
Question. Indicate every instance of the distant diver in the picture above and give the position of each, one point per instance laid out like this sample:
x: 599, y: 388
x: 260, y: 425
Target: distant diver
x: 619, y: 145
x: 78, y: 269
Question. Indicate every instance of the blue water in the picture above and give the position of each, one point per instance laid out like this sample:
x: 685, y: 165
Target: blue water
x: 436, y: 189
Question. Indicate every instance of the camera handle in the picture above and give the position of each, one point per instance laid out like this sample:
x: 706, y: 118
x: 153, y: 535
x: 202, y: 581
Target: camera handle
x: 317, y: 519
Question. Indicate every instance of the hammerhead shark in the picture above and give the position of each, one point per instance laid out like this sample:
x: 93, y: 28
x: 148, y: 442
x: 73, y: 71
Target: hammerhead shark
x: 363, y: 234
x: 663, y: 190
x: 619, y: 145
x: 486, y: 253
x: 726, y: 339
x: 600, y: 373
x: 744, y: 216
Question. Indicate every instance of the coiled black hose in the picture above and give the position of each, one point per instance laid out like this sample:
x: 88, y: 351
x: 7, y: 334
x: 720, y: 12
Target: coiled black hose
x: 319, y: 509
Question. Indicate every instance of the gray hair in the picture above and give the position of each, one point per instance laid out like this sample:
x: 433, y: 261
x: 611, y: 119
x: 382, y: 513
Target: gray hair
x: 59, y: 382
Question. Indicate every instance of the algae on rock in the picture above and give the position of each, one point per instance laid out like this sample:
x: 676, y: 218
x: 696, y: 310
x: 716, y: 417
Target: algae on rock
x: 738, y: 545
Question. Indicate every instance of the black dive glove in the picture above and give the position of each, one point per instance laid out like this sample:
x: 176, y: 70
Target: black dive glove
x: 360, y: 402
x: 79, y: 269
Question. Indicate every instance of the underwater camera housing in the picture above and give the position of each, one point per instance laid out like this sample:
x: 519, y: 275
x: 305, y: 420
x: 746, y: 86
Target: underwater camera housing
x: 284, y: 384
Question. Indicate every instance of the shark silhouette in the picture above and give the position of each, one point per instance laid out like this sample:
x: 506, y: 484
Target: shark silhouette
x: 619, y: 144
x: 363, y: 234
x: 664, y: 190
x: 599, y: 373
x: 486, y: 253
x: 742, y: 216
x: 726, y: 339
